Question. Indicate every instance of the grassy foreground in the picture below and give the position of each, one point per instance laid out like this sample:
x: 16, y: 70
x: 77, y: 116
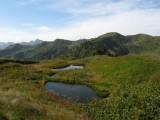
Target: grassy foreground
x: 130, y: 86
x: 23, y: 96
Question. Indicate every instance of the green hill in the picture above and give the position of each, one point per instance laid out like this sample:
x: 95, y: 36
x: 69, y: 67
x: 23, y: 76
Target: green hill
x: 142, y: 43
x: 111, y: 44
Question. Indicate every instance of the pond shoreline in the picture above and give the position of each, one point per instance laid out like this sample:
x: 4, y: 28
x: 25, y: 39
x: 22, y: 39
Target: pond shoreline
x: 69, y: 67
x: 72, y: 92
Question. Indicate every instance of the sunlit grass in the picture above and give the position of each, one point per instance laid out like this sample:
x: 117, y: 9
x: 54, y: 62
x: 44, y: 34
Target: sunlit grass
x: 23, y: 96
x: 128, y: 83
x: 129, y: 86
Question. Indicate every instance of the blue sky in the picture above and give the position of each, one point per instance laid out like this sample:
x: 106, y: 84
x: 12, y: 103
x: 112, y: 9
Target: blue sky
x: 25, y: 20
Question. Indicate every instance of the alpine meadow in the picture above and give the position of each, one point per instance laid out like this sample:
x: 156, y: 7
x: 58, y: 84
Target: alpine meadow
x: 61, y: 60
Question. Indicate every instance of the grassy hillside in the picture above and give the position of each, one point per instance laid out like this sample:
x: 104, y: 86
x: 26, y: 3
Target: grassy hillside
x: 129, y: 84
x: 111, y: 44
x: 23, y: 96
x: 144, y: 44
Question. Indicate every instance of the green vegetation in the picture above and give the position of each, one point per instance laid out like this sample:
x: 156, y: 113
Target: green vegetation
x: 111, y: 44
x: 23, y: 96
x: 144, y: 44
x: 5, y: 60
x: 129, y: 84
x: 134, y: 88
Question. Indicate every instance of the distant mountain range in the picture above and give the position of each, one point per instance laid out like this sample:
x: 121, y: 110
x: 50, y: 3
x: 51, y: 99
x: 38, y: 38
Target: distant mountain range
x: 111, y: 44
x: 36, y: 42
x: 4, y: 45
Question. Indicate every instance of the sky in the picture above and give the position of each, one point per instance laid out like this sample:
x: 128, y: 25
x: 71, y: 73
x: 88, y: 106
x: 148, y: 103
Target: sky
x: 26, y: 20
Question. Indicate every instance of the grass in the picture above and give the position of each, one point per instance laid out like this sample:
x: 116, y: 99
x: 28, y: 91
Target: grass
x: 134, y: 88
x: 5, y: 60
x: 22, y: 95
x: 129, y: 85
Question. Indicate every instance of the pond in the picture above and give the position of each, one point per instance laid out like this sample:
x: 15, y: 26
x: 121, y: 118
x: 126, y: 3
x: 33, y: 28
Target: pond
x: 71, y: 67
x: 74, y: 93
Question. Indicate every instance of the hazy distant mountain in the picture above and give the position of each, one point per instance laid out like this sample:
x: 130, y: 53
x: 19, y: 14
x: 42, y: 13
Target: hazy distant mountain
x: 112, y: 44
x: 11, y: 50
x: 37, y: 41
x: 5, y: 45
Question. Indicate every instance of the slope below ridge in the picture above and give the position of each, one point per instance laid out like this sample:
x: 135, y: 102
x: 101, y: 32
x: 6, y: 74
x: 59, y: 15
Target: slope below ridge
x: 112, y: 44
x: 46, y: 50
x: 143, y: 43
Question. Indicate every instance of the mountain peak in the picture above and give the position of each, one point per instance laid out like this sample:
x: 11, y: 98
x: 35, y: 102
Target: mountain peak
x: 59, y: 41
x: 110, y: 34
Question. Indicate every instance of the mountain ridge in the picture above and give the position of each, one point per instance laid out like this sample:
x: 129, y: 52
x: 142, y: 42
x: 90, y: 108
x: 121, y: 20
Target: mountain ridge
x: 4, y: 45
x: 111, y: 44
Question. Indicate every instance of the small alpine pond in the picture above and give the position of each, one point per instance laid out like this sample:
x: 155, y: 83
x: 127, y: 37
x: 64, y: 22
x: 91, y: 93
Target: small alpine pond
x: 72, y: 92
x: 71, y: 67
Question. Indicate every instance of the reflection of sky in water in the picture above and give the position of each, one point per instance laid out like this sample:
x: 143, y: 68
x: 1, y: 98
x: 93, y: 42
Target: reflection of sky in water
x: 79, y: 93
x: 70, y: 68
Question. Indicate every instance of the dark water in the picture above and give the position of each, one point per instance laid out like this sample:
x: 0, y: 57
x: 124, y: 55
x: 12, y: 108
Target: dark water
x: 71, y: 67
x: 74, y: 93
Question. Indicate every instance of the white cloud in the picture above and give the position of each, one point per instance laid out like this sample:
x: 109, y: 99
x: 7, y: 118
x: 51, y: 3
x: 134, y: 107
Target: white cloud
x: 90, y: 18
x: 19, y: 35
x: 135, y: 22
x: 132, y: 22
x: 89, y: 8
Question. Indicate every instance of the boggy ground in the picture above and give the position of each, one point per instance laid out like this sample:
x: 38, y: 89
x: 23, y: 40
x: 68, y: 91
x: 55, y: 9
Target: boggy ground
x: 129, y: 85
x: 23, y: 96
